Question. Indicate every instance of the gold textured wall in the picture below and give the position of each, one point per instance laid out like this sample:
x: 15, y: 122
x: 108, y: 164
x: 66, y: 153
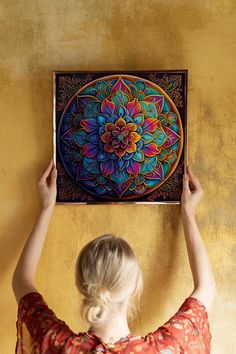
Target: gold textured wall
x: 38, y: 37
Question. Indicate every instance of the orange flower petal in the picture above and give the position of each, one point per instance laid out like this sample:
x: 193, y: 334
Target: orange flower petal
x: 109, y: 127
x: 108, y: 148
x: 134, y: 137
x: 120, y: 152
x: 132, y: 127
x: 120, y: 123
x: 106, y: 137
x: 131, y: 147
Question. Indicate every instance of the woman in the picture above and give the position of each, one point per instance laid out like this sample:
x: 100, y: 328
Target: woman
x: 109, y: 277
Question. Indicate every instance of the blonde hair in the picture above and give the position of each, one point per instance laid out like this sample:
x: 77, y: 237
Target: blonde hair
x: 107, y: 275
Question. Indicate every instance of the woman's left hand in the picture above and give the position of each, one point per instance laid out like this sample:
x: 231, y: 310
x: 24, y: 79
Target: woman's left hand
x: 47, y: 186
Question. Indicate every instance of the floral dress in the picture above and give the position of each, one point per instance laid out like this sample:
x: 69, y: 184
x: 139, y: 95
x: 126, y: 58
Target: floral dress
x: 39, y: 331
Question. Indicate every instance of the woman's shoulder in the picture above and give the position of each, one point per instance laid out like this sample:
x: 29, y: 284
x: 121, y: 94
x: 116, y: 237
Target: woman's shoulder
x: 189, y: 326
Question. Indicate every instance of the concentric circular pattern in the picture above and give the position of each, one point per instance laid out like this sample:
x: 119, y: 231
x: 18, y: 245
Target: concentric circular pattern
x: 120, y: 137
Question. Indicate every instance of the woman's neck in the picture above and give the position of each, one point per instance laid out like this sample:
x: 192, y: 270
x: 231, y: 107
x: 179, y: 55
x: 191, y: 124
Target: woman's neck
x: 113, y: 329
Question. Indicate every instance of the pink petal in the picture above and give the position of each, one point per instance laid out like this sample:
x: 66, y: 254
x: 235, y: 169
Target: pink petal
x: 150, y: 124
x: 133, y: 168
x: 151, y: 150
x: 120, y: 85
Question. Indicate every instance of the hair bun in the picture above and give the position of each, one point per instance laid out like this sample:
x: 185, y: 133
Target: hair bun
x: 97, y: 304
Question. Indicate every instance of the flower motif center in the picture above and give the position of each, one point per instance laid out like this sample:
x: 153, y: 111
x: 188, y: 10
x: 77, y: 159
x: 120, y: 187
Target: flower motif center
x: 120, y: 137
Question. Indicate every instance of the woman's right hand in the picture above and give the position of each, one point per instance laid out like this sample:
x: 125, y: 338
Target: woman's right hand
x: 192, y: 192
x: 47, y: 186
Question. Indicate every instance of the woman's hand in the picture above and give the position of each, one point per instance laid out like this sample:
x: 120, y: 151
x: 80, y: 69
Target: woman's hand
x: 192, y: 192
x: 47, y: 186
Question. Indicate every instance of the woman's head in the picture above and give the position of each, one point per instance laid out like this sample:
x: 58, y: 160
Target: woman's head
x: 109, y: 277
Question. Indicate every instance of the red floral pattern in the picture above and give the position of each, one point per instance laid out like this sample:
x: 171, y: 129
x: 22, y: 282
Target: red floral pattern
x: 39, y: 331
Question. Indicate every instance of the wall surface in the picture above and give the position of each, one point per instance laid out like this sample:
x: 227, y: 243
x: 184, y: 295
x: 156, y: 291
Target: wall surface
x: 39, y: 37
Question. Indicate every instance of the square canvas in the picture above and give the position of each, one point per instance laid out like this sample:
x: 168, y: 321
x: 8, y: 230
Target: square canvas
x: 120, y: 137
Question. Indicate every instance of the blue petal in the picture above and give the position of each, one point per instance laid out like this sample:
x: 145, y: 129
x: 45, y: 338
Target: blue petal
x: 112, y: 119
x: 140, y: 85
x: 148, y: 165
x: 175, y: 128
x: 101, y: 119
x: 160, y: 137
x: 102, y: 156
x: 139, y: 130
x: 91, y: 165
x: 77, y: 155
x: 152, y: 182
x: 147, y: 137
x: 101, y: 180
x: 68, y: 117
x: 120, y: 176
x: 84, y: 175
x: 139, y: 144
x: 166, y: 107
x: 138, y: 156
x: 121, y: 163
x: 100, y: 189
x: 132, y: 186
x: 128, y: 119
x: 120, y: 111
x: 100, y: 85
x: 101, y: 130
x: 101, y: 145
x: 81, y: 137
x: 112, y: 155
x: 128, y: 156
x: 138, y: 119
x: 93, y: 138
x: 73, y: 107
x: 175, y: 146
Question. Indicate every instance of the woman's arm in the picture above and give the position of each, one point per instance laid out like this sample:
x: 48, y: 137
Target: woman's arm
x: 203, y: 279
x: 24, y: 274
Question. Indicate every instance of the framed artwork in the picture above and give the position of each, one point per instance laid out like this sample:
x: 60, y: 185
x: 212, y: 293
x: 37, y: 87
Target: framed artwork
x: 120, y: 137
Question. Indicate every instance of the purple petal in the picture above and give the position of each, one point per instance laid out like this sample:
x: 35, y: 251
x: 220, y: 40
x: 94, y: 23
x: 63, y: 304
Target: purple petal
x: 68, y: 138
x: 89, y: 150
x: 157, y: 100
x: 172, y: 137
x: 107, y: 167
x: 89, y: 124
x: 121, y: 85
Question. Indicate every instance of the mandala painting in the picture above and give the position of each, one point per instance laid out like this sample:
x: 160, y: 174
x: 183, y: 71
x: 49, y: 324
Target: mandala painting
x: 120, y: 137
